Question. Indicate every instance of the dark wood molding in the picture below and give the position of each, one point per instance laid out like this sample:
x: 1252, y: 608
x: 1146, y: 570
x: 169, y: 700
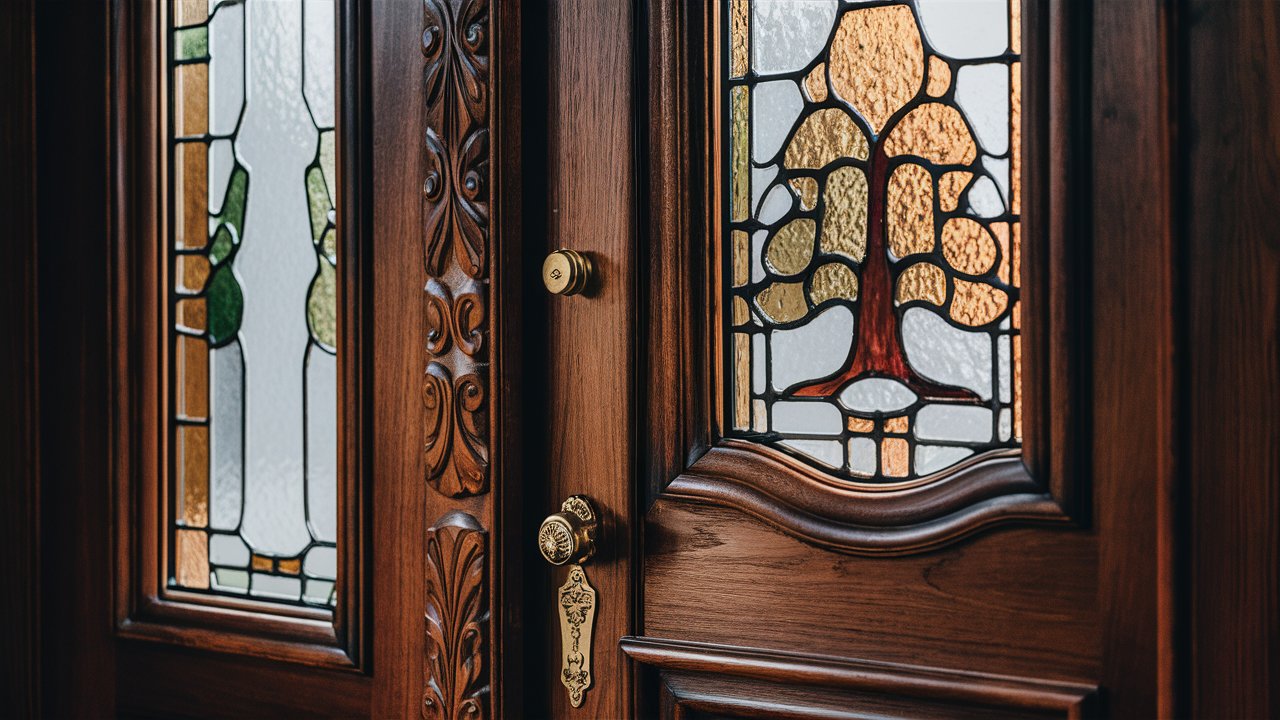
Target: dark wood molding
x: 457, y: 681
x: 145, y: 609
x: 456, y: 42
x: 689, y: 458
x: 937, y: 685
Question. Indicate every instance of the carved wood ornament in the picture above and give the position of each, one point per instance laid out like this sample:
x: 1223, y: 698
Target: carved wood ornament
x: 456, y: 401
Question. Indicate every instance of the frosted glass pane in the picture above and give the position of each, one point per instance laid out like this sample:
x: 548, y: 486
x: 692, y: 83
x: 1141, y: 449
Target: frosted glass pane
x: 253, y: 101
x: 880, y: 157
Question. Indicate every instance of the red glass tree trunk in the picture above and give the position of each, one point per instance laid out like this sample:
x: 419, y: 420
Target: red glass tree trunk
x: 877, y: 345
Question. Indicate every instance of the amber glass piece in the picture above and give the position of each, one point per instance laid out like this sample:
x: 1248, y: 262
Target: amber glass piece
x: 860, y: 425
x: 791, y: 247
x: 261, y: 563
x: 741, y: 258
x: 193, y: 377
x: 967, y: 246
x: 1015, y: 134
x: 191, y: 185
x: 193, y: 272
x: 190, y: 12
x: 935, y: 132
x: 741, y: 313
x: 950, y: 186
x: 844, y: 220
x: 807, y: 190
x: 782, y: 302
x: 1016, y: 253
x: 1001, y: 232
x: 193, y: 459
x: 896, y: 425
x: 939, y: 76
x: 192, y: 314
x: 910, y: 211
x: 740, y: 172
x: 825, y: 136
x: 290, y: 566
x: 877, y: 61
x: 922, y: 281
x: 815, y: 83
x: 1017, y: 384
x: 739, y: 38
x: 191, y: 559
x: 191, y: 100
x: 831, y: 281
x: 1015, y: 26
x: 894, y: 457
x: 977, y: 303
x: 741, y: 381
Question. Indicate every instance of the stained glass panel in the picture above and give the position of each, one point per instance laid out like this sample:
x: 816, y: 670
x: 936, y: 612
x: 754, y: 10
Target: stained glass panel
x: 253, y: 268
x: 872, y: 232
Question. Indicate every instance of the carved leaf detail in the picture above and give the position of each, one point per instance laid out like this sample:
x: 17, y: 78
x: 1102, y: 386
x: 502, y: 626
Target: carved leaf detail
x: 457, y: 620
x: 456, y: 427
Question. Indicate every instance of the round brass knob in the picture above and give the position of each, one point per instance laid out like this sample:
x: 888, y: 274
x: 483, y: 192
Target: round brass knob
x: 566, y: 272
x: 569, y: 536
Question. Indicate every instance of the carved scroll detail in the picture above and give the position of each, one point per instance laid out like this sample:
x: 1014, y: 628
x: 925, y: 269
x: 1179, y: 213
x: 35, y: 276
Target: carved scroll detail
x: 457, y: 620
x: 455, y: 203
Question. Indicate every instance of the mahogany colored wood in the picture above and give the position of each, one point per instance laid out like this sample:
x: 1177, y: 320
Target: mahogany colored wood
x: 1226, y: 185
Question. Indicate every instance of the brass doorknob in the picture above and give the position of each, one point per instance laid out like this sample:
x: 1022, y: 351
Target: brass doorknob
x: 566, y: 272
x: 569, y: 536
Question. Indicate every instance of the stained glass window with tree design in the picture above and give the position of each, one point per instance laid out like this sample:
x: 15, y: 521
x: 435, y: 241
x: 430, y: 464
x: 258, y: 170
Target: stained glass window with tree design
x: 872, y: 237
x: 252, y: 267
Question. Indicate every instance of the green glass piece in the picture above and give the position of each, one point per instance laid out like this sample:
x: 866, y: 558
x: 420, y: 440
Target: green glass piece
x: 329, y: 245
x: 191, y: 43
x: 234, y: 201
x: 226, y: 305
x: 318, y: 200
x: 327, y: 163
x: 322, y: 306
x: 222, y: 246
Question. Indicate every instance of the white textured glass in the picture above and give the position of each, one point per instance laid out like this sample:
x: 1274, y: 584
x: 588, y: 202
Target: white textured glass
x: 966, y: 28
x: 984, y: 198
x: 812, y: 350
x: 982, y: 91
x: 814, y: 418
x: 932, y: 458
x: 827, y: 452
x: 959, y: 423
x: 945, y: 353
x: 787, y: 34
x: 862, y: 456
x: 877, y: 395
x: 226, y: 68
x: 222, y: 161
x: 226, y: 435
x: 775, y: 205
x: 775, y: 106
x: 322, y: 441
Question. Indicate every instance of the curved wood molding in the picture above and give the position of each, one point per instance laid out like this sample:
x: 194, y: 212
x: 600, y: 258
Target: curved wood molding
x: 962, y: 688
x: 811, y: 505
x: 457, y: 620
x: 455, y: 208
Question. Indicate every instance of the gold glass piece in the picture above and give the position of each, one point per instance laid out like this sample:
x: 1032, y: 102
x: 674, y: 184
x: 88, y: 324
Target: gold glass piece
x: 950, y: 186
x: 782, y: 302
x: 939, y: 77
x: 896, y: 425
x: 192, y: 314
x: 191, y: 185
x: 191, y: 100
x: 1015, y: 26
x: 831, y: 281
x: 193, y: 272
x: 860, y: 425
x: 741, y: 258
x: 290, y: 566
x: 844, y: 221
x: 566, y: 272
x: 191, y: 555
x: 739, y: 38
x: 1015, y: 134
x: 825, y: 136
x: 791, y: 248
x: 807, y: 190
x: 190, y: 12
x: 577, y: 618
x: 193, y: 456
x: 922, y: 281
x: 1001, y: 232
x: 967, y: 246
x: 910, y: 211
x: 935, y: 132
x: 740, y: 148
x: 894, y: 457
x: 977, y: 304
x: 759, y: 415
x: 877, y: 61
x: 261, y: 563
x: 1017, y: 383
x: 815, y: 83
x: 742, y: 380
x: 192, y: 355
x: 741, y: 313
x: 569, y: 535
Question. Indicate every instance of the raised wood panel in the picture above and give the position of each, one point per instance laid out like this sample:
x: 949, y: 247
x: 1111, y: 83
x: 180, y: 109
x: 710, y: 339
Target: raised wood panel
x: 699, y: 680
x: 1011, y: 601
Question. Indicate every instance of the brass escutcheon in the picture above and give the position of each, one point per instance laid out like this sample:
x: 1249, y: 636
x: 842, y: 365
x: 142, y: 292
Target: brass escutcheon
x: 569, y: 536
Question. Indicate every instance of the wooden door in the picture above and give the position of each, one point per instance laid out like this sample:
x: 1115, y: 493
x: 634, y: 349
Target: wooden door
x: 800, y: 215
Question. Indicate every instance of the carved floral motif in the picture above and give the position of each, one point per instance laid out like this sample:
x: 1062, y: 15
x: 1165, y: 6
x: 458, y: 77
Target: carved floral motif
x: 457, y: 620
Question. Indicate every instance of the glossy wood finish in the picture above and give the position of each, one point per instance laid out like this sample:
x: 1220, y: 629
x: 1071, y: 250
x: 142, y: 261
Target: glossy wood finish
x: 1227, y: 184
x: 589, y: 196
